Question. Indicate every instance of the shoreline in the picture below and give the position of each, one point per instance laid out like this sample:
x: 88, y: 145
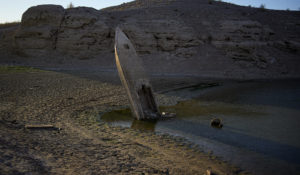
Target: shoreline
x: 82, y: 146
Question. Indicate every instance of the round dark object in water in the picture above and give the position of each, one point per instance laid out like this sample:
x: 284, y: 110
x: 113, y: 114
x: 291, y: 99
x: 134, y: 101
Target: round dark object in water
x: 216, y: 122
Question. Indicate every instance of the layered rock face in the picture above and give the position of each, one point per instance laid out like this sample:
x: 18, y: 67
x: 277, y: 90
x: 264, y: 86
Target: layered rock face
x: 39, y: 28
x: 175, y: 36
x: 76, y: 32
x: 83, y: 33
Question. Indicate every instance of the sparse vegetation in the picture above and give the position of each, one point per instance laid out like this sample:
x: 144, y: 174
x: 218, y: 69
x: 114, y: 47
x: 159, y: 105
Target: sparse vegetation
x: 9, y: 24
x: 70, y: 5
x: 262, y: 7
x: 16, y: 69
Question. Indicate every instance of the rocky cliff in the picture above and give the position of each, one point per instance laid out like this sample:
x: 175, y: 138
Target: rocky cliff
x: 191, y: 37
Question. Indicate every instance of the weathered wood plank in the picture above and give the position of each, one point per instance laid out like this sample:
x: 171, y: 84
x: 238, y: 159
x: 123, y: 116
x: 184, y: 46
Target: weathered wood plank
x: 40, y: 126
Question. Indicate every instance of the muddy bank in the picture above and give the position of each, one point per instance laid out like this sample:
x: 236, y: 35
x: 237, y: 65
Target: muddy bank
x: 83, y: 146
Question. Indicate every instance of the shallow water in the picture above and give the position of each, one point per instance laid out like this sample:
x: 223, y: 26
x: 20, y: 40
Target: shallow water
x: 261, y: 131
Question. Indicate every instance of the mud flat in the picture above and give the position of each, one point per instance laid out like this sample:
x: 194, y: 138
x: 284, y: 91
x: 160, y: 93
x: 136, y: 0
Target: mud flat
x: 80, y: 144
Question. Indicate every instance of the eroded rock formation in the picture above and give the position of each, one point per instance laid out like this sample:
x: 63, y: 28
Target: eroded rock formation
x: 39, y: 28
x: 175, y: 36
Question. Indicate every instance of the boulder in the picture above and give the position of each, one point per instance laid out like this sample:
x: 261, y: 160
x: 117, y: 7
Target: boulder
x: 43, y: 15
x: 39, y: 27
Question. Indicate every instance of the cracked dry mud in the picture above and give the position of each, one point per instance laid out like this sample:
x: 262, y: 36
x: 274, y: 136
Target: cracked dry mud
x: 83, y: 145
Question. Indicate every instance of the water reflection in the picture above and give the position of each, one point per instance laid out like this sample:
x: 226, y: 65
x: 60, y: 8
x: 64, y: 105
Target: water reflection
x: 124, y: 116
x: 117, y: 116
x: 261, y: 124
x: 194, y: 108
x: 193, y: 118
x: 184, y: 110
x: 144, y: 125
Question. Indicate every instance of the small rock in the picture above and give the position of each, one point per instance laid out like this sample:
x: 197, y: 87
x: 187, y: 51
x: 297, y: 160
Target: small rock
x: 216, y: 122
x: 167, y: 115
